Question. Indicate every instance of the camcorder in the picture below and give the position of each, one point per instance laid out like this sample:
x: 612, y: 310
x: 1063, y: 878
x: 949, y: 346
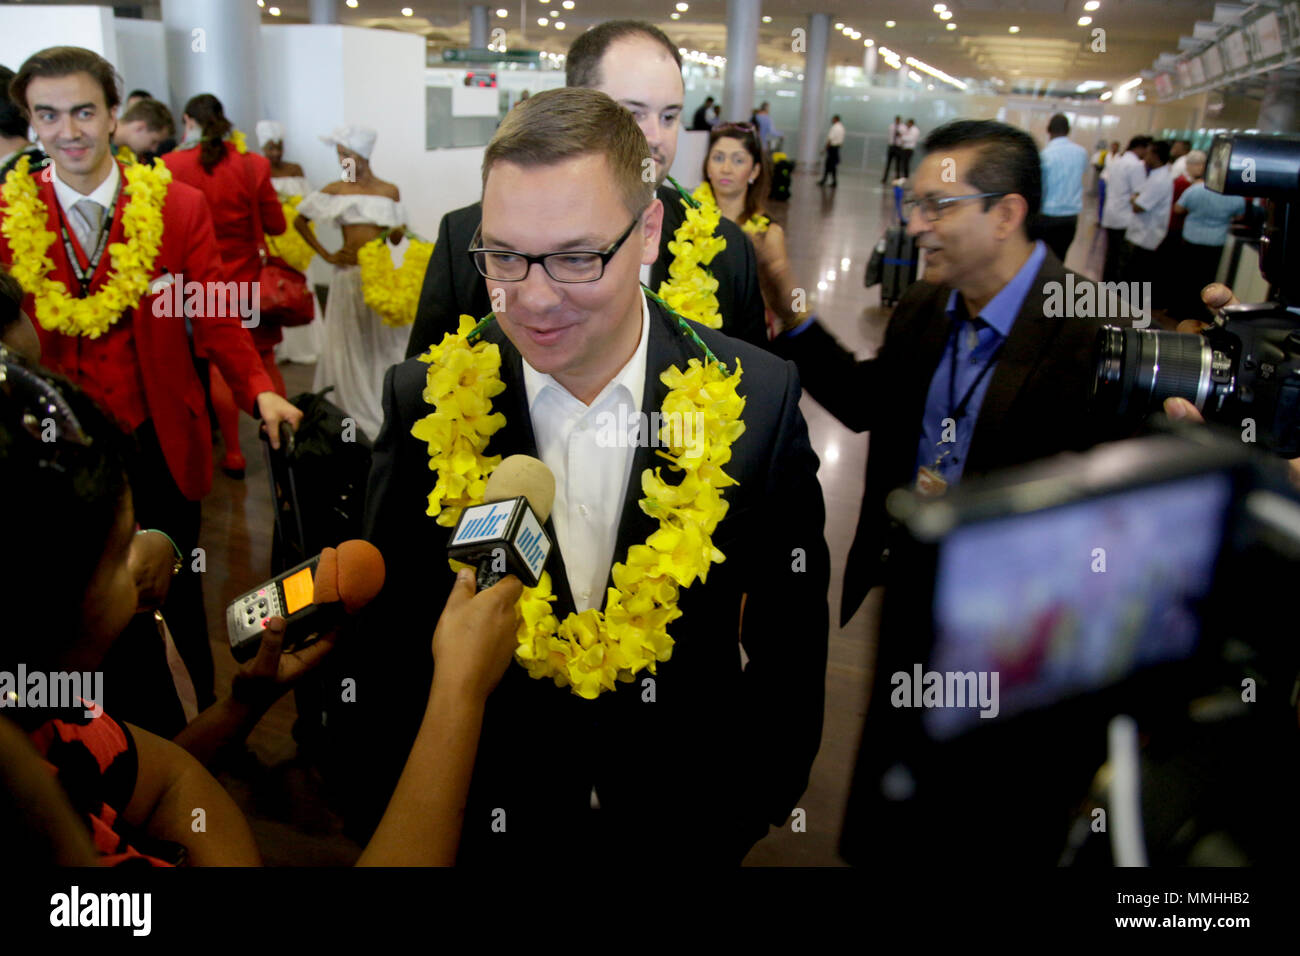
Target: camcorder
x: 1244, y: 370
x: 1046, y: 605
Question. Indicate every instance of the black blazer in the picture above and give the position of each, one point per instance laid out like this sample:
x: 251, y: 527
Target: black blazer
x: 1035, y: 405
x: 452, y: 286
x: 701, y: 763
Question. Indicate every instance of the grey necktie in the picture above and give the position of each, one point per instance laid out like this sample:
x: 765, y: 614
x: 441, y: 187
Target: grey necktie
x: 89, y: 215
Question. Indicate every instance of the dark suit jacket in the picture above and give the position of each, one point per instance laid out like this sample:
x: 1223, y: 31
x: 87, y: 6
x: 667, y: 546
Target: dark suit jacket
x: 452, y: 286
x: 1035, y: 405
x: 719, y: 753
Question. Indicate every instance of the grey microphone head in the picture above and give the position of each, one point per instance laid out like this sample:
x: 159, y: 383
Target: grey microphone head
x: 527, y: 476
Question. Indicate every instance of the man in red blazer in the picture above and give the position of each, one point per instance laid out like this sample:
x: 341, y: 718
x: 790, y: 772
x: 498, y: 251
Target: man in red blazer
x: 141, y: 370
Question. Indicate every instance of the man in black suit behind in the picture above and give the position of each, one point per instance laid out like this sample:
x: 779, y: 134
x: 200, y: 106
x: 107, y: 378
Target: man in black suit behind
x: 983, y: 366
x: 639, y: 67
x: 694, y: 763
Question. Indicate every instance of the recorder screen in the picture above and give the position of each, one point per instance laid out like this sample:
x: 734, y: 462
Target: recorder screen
x: 298, y: 591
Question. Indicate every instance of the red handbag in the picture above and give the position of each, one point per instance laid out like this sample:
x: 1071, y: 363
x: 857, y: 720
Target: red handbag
x: 282, y: 293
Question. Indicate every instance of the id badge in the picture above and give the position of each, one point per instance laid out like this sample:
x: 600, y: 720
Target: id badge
x: 929, y: 483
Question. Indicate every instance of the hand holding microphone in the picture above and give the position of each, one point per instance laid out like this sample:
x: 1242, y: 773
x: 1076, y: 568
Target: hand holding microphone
x: 505, y: 534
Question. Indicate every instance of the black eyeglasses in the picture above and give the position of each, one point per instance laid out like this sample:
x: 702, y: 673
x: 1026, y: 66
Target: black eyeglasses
x: 41, y: 411
x: 934, y: 207
x: 505, y: 265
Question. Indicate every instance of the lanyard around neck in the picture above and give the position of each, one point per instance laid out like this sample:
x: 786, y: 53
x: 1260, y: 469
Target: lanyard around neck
x: 85, y: 276
x: 956, y: 411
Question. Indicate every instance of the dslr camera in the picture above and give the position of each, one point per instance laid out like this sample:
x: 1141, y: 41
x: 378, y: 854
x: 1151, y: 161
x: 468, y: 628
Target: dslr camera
x: 1246, y: 365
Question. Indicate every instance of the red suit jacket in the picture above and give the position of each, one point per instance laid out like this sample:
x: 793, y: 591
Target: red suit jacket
x: 234, y: 186
x: 173, y: 395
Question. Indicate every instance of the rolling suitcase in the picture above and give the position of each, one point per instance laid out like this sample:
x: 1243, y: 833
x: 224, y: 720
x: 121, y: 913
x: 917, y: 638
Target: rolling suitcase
x: 318, y: 484
x: 893, y: 263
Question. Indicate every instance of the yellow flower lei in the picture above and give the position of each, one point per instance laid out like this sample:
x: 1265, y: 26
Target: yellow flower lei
x: 393, y: 293
x: 131, y: 262
x: 590, y: 651
x: 690, y: 288
x: 290, y: 247
x: 239, y: 139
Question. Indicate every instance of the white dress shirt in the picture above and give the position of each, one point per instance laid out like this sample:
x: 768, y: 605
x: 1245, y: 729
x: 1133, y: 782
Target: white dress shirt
x: 1125, y: 177
x: 590, y: 480
x: 1148, y: 228
x: 69, y: 197
x: 911, y: 136
x: 836, y: 135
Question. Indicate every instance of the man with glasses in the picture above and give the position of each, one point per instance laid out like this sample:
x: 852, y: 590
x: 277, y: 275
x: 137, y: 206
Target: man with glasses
x: 639, y: 67
x: 698, y: 759
x: 976, y: 373
x: 973, y: 374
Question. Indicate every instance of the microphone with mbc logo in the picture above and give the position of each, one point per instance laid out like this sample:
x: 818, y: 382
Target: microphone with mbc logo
x: 504, y: 535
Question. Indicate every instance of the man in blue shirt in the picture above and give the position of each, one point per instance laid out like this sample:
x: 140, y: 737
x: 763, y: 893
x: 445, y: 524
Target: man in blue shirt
x: 978, y: 370
x: 1205, y: 231
x: 1064, y: 164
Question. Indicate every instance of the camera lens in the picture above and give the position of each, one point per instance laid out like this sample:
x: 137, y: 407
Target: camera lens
x: 1137, y: 369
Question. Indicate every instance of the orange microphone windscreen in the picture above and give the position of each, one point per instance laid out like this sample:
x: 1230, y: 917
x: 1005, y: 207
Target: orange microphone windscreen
x: 360, y: 573
x: 325, y: 589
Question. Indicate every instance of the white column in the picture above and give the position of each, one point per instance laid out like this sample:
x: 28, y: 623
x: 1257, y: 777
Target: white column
x: 323, y: 11
x: 478, y: 26
x: 814, y: 92
x: 742, y: 57
x: 214, y: 46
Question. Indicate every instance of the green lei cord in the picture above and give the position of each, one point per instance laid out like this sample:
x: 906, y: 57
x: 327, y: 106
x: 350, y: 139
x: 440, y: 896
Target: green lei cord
x: 682, y: 322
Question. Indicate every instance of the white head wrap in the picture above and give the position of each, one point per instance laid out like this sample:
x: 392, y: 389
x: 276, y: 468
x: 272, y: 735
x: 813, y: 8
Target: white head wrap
x: 269, y: 131
x: 358, y: 139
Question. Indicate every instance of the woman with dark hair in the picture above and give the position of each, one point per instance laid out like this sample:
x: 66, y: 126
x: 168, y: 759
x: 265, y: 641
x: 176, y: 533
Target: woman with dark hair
x: 133, y: 791
x: 738, y: 173
x: 237, y: 185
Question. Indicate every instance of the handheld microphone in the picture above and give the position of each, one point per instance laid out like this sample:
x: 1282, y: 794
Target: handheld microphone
x: 313, y: 597
x: 504, y: 535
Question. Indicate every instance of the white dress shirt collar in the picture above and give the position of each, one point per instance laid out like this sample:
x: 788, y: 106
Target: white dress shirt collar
x: 103, y: 194
x: 630, y: 377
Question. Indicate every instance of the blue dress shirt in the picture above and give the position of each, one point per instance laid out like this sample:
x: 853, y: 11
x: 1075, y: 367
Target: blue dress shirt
x: 973, y: 353
x: 1063, y: 163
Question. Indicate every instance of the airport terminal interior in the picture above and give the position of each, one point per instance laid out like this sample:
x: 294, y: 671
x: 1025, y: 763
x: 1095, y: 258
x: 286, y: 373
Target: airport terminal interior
x: 922, y: 166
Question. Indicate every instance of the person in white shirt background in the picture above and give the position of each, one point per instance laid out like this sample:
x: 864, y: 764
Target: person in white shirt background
x: 1124, y: 178
x: 911, y: 136
x: 1178, y: 151
x: 834, y: 140
x: 1151, y: 208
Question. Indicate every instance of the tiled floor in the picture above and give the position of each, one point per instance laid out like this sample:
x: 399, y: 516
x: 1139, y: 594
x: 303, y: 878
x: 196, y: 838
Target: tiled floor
x: 830, y: 234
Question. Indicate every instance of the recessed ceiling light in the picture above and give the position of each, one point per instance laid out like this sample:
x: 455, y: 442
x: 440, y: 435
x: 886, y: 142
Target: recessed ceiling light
x: 839, y: 26
x: 542, y: 21
x: 868, y: 42
x: 940, y: 7
x: 946, y: 15
x: 890, y: 23
x: 1013, y: 29
x: 767, y: 19
x: 1084, y: 21
x: 567, y: 4
x: 1092, y: 5
x: 407, y: 12
x: 952, y: 26
x: 683, y: 7
x: 503, y: 12
x: 352, y: 4
x: 559, y: 24
x: 674, y: 16
x: 261, y: 3
x: 274, y: 11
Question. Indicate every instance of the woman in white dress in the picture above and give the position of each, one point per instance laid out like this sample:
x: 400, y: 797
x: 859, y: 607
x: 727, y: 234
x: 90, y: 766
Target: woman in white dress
x: 359, y: 347
x: 302, y: 343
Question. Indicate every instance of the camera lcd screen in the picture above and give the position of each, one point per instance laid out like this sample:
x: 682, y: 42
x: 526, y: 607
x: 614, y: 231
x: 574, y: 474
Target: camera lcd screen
x: 298, y: 591
x: 1071, y: 599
